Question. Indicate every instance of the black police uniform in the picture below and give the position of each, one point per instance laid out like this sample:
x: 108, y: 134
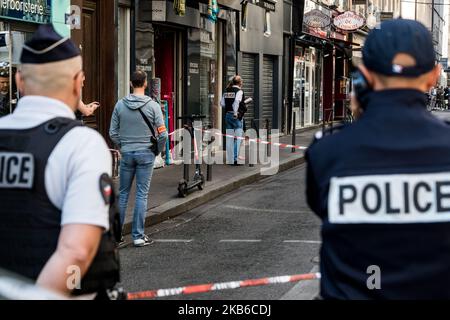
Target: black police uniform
x: 396, y: 135
x: 230, y: 97
x: 382, y: 189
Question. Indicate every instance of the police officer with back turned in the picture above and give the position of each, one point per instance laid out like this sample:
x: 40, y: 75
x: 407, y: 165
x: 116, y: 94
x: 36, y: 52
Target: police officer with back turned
x: 233, y: 100
x: 382, y: 184
x: 58, y: 223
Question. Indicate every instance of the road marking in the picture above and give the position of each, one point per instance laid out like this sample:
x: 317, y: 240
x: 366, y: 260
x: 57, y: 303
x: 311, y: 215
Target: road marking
x: 174, y: 240
x: 305, y: 290
x: 302, y: 241
x: 240, y: 240
x: 261, y: 210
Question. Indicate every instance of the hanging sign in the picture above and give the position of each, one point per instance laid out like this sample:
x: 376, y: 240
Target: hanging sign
x: 349, y: 21
x: 316, y: 19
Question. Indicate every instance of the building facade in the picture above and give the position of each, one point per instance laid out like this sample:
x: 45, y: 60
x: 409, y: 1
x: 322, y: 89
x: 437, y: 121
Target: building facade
x: 17, y: 24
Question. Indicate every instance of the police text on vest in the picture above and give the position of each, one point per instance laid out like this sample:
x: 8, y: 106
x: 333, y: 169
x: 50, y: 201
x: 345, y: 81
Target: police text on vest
x: 16, y: 170
x: 397, y: 198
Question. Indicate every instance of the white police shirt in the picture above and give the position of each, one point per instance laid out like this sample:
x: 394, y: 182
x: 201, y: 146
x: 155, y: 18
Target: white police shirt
x: 75, y: 165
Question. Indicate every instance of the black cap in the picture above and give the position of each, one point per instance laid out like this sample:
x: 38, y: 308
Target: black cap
x: 47, y: 46
x: 399, y: 36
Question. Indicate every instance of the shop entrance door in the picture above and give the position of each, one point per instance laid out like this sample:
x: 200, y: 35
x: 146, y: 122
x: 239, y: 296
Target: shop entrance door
x: 298, y: 90
x: 168, y: 68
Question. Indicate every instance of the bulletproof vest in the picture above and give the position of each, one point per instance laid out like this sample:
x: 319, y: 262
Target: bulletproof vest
x: 31, y: 224
x: 230, y: 96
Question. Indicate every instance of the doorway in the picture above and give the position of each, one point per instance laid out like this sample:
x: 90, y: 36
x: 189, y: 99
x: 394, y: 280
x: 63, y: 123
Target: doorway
x: 168, y: 53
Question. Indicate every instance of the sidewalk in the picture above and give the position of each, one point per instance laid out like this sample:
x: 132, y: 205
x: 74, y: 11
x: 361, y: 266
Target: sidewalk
x: 164, y: 203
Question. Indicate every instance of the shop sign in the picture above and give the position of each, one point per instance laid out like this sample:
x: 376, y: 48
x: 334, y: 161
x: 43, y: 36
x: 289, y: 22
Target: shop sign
x: 35, y: 11
x: 386, y: 16
x: 316, y: 19
x: 159, y: 11
x: 193, y: 68
x: 349, y: 21
x: 269, y: 5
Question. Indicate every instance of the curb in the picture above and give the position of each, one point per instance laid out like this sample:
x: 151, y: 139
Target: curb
x: 179, y: 206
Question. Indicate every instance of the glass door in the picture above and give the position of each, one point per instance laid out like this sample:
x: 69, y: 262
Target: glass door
x: 298, y: 90
x: 308, y: 95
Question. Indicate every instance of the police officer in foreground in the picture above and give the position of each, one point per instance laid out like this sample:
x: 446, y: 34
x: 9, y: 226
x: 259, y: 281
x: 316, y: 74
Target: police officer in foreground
x: 382, y: 184
x: 58, y: 223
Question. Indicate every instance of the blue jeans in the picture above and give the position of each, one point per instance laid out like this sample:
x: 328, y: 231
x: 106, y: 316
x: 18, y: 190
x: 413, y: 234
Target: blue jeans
x: 233, y: 127
x: 139, y: 164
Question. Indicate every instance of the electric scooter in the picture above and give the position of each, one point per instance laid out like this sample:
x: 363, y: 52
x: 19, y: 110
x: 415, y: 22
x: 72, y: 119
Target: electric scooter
x: 198, y: 180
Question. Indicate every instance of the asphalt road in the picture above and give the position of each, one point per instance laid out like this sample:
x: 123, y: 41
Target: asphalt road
x: 261, y: 230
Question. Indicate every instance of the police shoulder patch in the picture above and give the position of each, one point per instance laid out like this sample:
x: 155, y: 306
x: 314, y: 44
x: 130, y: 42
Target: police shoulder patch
x: 106, y: 188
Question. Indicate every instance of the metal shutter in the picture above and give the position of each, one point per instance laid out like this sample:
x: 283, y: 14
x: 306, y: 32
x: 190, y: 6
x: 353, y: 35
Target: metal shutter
x: 248, y: 74
x: 267, y: 94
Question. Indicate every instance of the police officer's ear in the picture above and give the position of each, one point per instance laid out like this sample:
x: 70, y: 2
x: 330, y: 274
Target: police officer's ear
x: 433, y: 76
x: 368, y: 75
x: 78, y: 83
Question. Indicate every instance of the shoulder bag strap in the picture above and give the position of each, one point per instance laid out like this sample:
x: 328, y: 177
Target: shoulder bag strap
x: 147, y: 121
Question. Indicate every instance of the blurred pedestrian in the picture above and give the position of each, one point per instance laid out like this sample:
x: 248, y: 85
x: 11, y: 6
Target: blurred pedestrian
x: 5, y: 108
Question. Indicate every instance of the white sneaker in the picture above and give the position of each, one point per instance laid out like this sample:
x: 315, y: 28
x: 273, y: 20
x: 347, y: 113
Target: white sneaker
x: 145, y: 241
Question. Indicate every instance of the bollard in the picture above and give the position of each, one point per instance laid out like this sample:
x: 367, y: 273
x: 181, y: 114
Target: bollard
x: 293, y: 133
x: 186, y: 172
x: 209, y: 172
x: 209, y: 166
x: 268, y: 151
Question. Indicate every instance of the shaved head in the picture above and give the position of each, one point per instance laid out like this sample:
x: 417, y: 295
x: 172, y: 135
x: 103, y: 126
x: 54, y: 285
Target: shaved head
x: 50, y: 77
x: 61, y: 80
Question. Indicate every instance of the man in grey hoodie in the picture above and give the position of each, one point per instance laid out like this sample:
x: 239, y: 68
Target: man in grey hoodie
x: 131, y: 134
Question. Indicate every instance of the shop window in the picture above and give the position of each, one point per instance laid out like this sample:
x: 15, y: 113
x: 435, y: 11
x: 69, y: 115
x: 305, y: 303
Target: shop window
x: 307, y: 91
x: 203, y: 72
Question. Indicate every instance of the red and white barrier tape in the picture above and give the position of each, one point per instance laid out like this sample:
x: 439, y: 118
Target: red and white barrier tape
x: 202, y: 288
x: 276, y: 144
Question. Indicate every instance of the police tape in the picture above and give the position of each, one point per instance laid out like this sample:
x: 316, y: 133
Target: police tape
x: 276, y: 144
x: 202, y: 288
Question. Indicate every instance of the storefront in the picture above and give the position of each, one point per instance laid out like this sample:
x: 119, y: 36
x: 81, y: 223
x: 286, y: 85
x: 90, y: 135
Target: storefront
x: 309, y: 76
x: 212, y: 61
x: 189, y: 56
x: 307, y: 92
x: 260, y: 61
x: 18, y: 21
